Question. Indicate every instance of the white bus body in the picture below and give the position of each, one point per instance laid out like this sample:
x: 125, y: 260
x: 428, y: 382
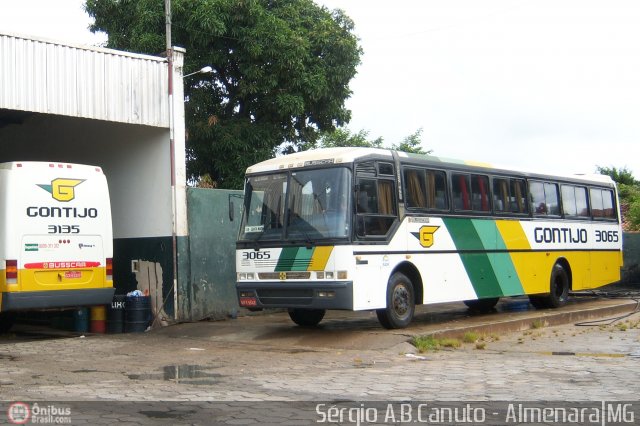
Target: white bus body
x: 56, y: 241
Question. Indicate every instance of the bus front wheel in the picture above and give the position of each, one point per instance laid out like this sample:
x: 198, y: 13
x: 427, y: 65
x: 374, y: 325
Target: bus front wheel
x: 306, y: 317
x: 401, y: 303
x: 559, y: 286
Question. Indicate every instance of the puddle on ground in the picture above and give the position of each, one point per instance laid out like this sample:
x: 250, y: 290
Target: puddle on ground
x: 183, y: 374
x: 588, y: 354
x: 170, y: 414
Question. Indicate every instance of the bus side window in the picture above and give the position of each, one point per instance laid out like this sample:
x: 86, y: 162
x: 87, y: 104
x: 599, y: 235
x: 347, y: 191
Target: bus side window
x: 509, y: 196
x: 537, y: 199
x: 376, y: 207
x: 569, y: 200
x: 574, y: 201
x: 415, y: 188
x: 602, y: 206
x: 501, y: 195
x: 480, y: 193
x: 607, y: 204
x: 552, y: 199
x: 425, y: 189
x: 460, y: 190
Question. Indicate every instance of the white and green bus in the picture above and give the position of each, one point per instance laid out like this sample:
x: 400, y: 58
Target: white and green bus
x: 373, y: 229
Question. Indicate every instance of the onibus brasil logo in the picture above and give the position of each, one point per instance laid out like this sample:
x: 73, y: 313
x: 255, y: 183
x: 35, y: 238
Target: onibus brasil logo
x: 62, y: 189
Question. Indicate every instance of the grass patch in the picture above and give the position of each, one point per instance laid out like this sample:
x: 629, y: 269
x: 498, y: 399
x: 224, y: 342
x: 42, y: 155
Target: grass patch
x: 481, y: 345
x: 430, y: 343
x: 470, y: 337
x: 538, y: 324
x: 622, y: 326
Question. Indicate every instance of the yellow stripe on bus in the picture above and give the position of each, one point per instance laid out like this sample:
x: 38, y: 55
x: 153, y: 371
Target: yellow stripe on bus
x: 589, y: 269
x: 528, y: 264
x: 320, y: 258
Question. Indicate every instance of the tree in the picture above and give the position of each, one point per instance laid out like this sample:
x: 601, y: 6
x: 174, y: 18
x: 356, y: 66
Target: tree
x: 281, y: 72
x: 342, y: 137
x: 412, y: 143
x: 629, y: 193
x: 623, y: 175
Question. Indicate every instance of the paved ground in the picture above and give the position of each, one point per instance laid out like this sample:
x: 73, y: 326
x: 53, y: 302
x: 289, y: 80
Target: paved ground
x: 193, y: 368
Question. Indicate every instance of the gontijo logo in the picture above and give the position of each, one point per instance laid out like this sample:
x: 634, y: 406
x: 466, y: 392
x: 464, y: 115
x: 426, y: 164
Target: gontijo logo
x: 62, y: 189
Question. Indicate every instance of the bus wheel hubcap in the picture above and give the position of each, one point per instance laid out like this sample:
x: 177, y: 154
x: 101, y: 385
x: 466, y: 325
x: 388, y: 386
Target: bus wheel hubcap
x: 401, y: 300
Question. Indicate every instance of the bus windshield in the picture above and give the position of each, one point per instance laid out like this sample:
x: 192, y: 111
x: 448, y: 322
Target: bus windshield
x: 301, y: 205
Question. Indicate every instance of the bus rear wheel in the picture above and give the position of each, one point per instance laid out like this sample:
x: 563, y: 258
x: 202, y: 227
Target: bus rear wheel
x: 306, y: 317
x: 6, y: 322
x: 401, y: 303
x: 482, y: 305
x: 559, y: 286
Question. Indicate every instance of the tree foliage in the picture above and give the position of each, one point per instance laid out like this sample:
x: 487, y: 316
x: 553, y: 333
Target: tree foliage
x: 281, y: 72
x: 411, y: 143
x: 342, y: 137
x: 629, y: 193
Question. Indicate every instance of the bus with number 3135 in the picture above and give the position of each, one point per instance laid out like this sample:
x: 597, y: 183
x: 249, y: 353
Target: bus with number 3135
x: 373, y: 229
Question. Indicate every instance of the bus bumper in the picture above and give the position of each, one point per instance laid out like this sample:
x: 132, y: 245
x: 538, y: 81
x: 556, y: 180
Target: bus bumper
x: 325, y: 295
x: 20, y: 301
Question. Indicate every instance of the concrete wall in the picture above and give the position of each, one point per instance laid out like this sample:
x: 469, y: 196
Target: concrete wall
x: 135, y: 160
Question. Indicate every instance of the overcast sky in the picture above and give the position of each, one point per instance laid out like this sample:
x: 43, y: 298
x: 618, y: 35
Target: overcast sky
x: 549, y: 85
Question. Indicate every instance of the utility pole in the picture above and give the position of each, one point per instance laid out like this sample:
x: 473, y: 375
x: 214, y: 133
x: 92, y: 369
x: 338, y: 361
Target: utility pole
x: 172, y: 154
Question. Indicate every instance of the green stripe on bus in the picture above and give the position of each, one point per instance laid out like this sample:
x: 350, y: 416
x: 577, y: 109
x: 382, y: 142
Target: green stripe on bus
x: 501, y: 263
x: 478, y: 266
x: 294, y: 259
x: 286, y: 259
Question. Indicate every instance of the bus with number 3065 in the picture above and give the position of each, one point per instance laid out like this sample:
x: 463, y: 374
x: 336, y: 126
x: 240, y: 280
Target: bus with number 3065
x: 373, y: 229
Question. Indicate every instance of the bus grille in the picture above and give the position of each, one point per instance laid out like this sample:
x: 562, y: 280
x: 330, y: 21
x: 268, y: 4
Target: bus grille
x: 284, y: 275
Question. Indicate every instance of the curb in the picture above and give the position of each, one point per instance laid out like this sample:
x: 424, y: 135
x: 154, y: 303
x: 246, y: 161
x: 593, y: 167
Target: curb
x: 550, y: 317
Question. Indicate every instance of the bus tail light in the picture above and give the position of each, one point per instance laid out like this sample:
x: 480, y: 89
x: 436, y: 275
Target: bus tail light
x: 109, y: 269
x: 11, y: 273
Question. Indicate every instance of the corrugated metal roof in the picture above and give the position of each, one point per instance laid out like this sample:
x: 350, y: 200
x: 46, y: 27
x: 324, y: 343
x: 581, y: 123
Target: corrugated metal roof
x: 80, y: 81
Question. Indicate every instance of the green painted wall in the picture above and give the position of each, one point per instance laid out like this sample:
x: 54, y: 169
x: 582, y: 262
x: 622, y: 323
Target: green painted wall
x: 631, y: 269
x: 207, y: 289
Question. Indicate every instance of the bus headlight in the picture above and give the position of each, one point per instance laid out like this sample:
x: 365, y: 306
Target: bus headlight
x: 329, y: 275
x: 244, y: 276
x: 342, y: 275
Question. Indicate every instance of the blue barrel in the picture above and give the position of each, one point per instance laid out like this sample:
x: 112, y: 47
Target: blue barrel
x: 81, y: 320
x: 137, y: 314
x: 115, y: 314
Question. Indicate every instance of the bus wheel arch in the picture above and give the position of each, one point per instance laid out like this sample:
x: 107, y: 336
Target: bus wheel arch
x: 410, y: 271
x: 560, y: 283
